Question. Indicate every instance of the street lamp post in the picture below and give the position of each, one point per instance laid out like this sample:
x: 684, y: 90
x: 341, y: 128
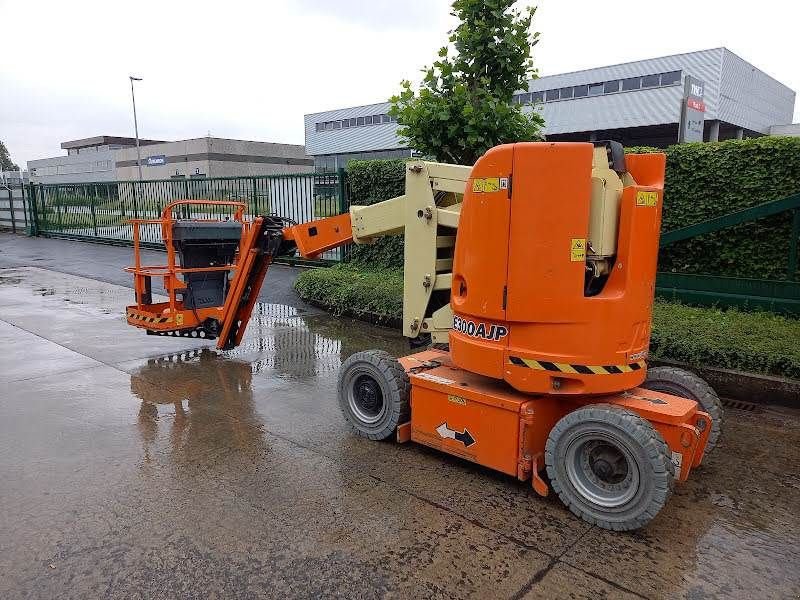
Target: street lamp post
x: 136, y: 127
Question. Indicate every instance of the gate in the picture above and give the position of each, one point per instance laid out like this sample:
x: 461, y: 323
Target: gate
x: 98, y: 211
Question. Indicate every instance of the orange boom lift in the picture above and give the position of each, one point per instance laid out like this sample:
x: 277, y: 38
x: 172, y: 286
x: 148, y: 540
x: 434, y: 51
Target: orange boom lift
x: 530, y: 277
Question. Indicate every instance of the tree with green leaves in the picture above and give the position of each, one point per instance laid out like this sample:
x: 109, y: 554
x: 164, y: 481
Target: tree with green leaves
x: 5, y: 159
x: 464, y: 104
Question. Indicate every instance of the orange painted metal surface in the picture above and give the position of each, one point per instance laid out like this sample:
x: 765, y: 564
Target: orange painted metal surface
x: 315, y: 237
x: 520, y: 277
x: 172, y: 316
x: 484, y: 420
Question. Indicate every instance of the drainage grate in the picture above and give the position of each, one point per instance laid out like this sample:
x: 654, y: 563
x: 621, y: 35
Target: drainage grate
x: 742, y: 405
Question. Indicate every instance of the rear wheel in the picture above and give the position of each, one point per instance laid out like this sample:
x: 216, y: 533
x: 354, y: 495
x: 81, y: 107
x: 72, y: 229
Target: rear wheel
x: 373, y: 394
x: 609, y: 466
x: 683, y: 383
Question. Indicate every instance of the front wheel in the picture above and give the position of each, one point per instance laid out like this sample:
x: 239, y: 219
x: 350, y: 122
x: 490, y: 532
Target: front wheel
x: 609, y: 466
x: 373, y: 394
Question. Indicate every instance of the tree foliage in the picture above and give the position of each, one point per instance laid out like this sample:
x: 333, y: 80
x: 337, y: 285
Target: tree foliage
x: 464, y: 104
x: 5, y: 159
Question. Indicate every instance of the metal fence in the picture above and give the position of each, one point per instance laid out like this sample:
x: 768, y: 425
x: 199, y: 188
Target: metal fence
x: 99, y: 211
x: 774, y: 295
x: 14, y: 208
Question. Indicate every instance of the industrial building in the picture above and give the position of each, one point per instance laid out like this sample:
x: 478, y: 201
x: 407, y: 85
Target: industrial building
x: 636, y: 103
x: 109, y: 158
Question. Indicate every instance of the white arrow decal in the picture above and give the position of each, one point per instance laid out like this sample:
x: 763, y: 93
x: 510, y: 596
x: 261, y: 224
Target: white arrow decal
x: 465, y: 438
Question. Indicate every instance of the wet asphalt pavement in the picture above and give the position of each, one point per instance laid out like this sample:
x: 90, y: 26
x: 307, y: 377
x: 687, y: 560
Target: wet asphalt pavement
x: 136, y: 466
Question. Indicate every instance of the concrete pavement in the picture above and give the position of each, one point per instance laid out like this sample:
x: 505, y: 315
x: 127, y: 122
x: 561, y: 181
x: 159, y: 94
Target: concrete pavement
x: 137, y: 466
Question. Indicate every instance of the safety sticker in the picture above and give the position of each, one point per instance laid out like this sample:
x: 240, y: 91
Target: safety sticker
x: 456, y: 399
x: 504, y: 183
x: 577, y: 249
x: 486, y: 184
x: 146, y: 319
x: 179, y: 319
x: 646, y: 198
x: 543, y: 365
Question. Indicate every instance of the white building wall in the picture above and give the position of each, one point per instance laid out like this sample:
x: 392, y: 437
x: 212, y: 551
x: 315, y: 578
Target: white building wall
x: 90, y: 165
x: 750, y: 98
x: 365, y: 138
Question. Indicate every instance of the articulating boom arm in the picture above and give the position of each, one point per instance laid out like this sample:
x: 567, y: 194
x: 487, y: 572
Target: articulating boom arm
x: 427, y: 216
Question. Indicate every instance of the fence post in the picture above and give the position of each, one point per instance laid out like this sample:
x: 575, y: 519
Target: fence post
x: 794, y: 242
x: 135, y: 203
x: 341, y: 191
x: 94, y: 213
x: 24, y: 205
x: 11, y: 209
x: 32, y: 194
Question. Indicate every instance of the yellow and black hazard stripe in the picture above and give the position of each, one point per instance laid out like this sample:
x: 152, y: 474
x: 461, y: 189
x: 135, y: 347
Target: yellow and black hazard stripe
x: 543, y: 365
x: 146, y: 319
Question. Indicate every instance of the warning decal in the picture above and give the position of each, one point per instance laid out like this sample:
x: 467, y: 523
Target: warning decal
x: 486, y: 184
x: 646, y: 198
x: 577, y: 249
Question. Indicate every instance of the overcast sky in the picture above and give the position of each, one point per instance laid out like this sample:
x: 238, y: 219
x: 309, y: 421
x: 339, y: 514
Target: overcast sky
x: 251, y: 70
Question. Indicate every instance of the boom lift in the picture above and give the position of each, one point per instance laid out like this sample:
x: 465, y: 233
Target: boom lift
x: 536, y: 268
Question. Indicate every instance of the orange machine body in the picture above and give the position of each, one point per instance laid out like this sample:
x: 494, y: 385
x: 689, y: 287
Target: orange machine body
x: 521, y: 314
x: 483, y: 420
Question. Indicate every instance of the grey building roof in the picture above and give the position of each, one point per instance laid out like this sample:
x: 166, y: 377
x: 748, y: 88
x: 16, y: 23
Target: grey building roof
x: 102, y: 140
x: 736, y: 92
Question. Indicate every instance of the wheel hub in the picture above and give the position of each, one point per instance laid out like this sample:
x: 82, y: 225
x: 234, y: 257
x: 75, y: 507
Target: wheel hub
x: 368, y: 395
x: 366, y: 398
x: 602, y: 471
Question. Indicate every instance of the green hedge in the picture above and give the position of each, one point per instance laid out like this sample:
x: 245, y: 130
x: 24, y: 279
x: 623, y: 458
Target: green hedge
x: 702, y: 181
x: 372, y: 181
x: 753, y: 342
x: 352, y: 290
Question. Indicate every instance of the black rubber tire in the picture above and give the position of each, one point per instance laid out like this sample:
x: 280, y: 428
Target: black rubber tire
x: 392, y: 381
x: 680, y: 382
x: 654, y: 469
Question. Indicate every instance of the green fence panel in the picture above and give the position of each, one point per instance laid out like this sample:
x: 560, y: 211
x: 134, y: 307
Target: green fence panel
x: 779, y: 296
x: 99, y: 211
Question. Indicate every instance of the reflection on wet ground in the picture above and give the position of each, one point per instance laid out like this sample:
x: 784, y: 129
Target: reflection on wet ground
x: 137, y: 466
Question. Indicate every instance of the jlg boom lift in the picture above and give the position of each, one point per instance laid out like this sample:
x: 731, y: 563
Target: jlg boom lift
x: 536, y: 268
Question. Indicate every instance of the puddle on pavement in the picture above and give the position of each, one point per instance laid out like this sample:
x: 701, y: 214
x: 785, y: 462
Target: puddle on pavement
x: 204, y: 398
x: 92, y: 296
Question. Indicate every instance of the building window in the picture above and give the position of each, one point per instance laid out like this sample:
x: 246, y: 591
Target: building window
x: 566, y: 93
x: 337, y: 124
x: 631, y: 83
x: 581, y: 91
x: 551, y: 95
x: 651, y: 81
x: 595, y: 89
x: 671, y: 78
x: 609, y: 87
x: 359, y: 121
